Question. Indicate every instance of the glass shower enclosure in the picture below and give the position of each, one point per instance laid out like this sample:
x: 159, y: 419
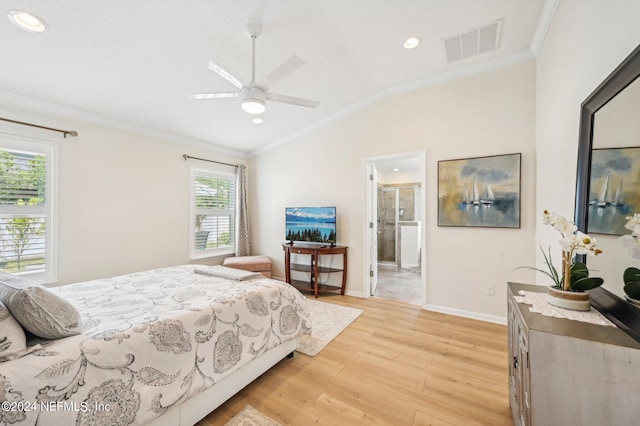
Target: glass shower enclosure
x: 398, y: 215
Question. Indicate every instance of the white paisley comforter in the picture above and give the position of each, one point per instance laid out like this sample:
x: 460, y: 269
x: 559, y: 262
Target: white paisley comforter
x: 151, y: 340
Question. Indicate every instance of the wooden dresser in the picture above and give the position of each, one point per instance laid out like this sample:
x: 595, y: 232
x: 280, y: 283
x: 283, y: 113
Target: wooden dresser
x: 564, y: 372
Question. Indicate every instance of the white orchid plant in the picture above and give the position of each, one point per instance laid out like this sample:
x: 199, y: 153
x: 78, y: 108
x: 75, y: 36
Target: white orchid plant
x: 631, y: 275
x: 575, y: 275
x: 631, y: 241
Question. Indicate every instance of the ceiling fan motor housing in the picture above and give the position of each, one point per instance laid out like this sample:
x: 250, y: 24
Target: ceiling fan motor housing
x: 253, y: 99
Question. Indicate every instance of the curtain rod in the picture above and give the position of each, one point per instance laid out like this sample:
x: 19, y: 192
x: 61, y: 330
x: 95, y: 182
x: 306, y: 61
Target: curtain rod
x: 64, y: 132
x: 186, y: 157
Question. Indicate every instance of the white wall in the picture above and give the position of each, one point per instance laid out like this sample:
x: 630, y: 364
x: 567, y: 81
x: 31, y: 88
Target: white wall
x: 586, y: 42
x: 123, y: 199
x: 486, y: 114
x: 123, y: 207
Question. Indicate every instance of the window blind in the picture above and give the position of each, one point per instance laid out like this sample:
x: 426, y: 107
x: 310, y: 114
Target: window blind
x: 215, y: 196
x: 23, y: 211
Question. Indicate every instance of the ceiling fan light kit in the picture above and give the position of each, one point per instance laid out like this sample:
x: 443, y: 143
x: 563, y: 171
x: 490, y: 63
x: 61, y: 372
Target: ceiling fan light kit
x: 254, y: 95
x: 253, y: 106
x: 253, y: 100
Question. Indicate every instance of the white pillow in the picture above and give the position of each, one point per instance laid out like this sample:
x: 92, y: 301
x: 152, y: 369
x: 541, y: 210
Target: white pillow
x: 37, y: 309
x: 13, y: 342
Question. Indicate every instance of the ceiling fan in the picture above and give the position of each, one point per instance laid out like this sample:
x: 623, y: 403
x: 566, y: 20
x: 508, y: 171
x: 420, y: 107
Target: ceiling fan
x: 255, y: 94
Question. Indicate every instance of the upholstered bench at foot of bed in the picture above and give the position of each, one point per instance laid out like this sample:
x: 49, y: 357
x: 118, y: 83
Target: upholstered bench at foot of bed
x: 260, y: 264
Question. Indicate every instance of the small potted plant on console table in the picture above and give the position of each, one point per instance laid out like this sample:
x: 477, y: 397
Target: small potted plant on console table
x: 570, y: 289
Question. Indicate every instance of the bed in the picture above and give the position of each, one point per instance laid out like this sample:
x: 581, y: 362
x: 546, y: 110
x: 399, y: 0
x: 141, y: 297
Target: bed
x: 161, y: 347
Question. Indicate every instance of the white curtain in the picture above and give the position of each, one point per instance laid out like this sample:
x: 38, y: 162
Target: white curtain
x: 243, y: 244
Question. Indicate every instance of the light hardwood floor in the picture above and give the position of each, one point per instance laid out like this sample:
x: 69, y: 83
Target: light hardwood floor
x: 396, y: 364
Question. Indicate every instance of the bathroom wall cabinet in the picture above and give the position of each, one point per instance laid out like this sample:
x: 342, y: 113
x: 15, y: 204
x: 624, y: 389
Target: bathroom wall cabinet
x: 564, y: 372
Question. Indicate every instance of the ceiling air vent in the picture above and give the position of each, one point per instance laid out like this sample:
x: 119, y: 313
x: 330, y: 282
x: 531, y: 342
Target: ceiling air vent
x: 472, y: 43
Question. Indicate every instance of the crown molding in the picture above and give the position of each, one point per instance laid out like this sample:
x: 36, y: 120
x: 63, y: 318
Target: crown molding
x: 478, y: 68
x: 544, y: 23
x: 11, y: 101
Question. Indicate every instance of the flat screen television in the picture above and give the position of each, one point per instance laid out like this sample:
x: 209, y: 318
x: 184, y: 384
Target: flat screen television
x: 311, y: 224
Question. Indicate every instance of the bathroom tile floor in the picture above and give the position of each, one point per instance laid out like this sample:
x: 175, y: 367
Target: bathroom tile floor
x: 401, y: 285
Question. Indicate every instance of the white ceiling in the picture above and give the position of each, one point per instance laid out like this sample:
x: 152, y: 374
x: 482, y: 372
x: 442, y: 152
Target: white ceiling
x: 405, y: 163
x: 136, y: 62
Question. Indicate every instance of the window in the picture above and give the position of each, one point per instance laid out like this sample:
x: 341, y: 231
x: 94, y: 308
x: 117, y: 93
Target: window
x: 27, y: 229
x: 213, y: 213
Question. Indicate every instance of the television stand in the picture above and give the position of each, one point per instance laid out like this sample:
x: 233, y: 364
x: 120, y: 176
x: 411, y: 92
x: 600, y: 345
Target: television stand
x: 313, y: 268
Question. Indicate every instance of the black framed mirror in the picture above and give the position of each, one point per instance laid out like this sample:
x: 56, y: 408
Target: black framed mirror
x: 621, y: 312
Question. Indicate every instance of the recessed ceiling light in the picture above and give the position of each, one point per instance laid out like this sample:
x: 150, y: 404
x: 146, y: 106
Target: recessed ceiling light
x: 396, y: 170
x: 26, y: 21
x: 411, y: 42
x: 257, y: 120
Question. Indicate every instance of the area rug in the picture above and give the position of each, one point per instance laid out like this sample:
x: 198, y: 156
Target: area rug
x: 249, y: 416
x: 327, y: 321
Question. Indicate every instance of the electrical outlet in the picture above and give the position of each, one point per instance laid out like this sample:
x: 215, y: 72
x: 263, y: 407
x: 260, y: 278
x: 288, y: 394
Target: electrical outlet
x: 490, y: 290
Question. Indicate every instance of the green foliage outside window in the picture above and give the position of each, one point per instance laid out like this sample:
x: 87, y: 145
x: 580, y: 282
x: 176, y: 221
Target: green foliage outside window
x: 22, y: 177
x: 213, y: 193
x: 214, y: 222
x: 22, y: 183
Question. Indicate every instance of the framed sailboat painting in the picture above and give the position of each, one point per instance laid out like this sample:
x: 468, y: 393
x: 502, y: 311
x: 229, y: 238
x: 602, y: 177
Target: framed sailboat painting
x: 480, y: 192
x: 614, y: 189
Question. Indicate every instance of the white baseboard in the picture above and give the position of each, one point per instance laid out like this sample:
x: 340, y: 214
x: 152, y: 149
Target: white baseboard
x: 354, y: 293
x: 466, y: 314
x: 442, y: 309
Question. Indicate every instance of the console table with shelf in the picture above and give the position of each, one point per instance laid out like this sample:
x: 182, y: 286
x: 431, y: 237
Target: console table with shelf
x: 313, y: 267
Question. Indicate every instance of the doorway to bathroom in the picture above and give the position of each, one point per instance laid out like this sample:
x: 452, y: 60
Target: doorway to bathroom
x: 395, y: 236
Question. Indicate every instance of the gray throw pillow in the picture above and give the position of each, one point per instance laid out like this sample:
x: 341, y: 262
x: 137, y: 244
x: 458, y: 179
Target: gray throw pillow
x: 37, y: 309
x: 13, y: 342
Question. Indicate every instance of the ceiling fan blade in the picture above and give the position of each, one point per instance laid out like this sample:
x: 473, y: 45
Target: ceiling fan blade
x: 221, y: 95
x: 218, y: 69
x: 224, y: 74
x: 292, y: 100
x: 282, y: 71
